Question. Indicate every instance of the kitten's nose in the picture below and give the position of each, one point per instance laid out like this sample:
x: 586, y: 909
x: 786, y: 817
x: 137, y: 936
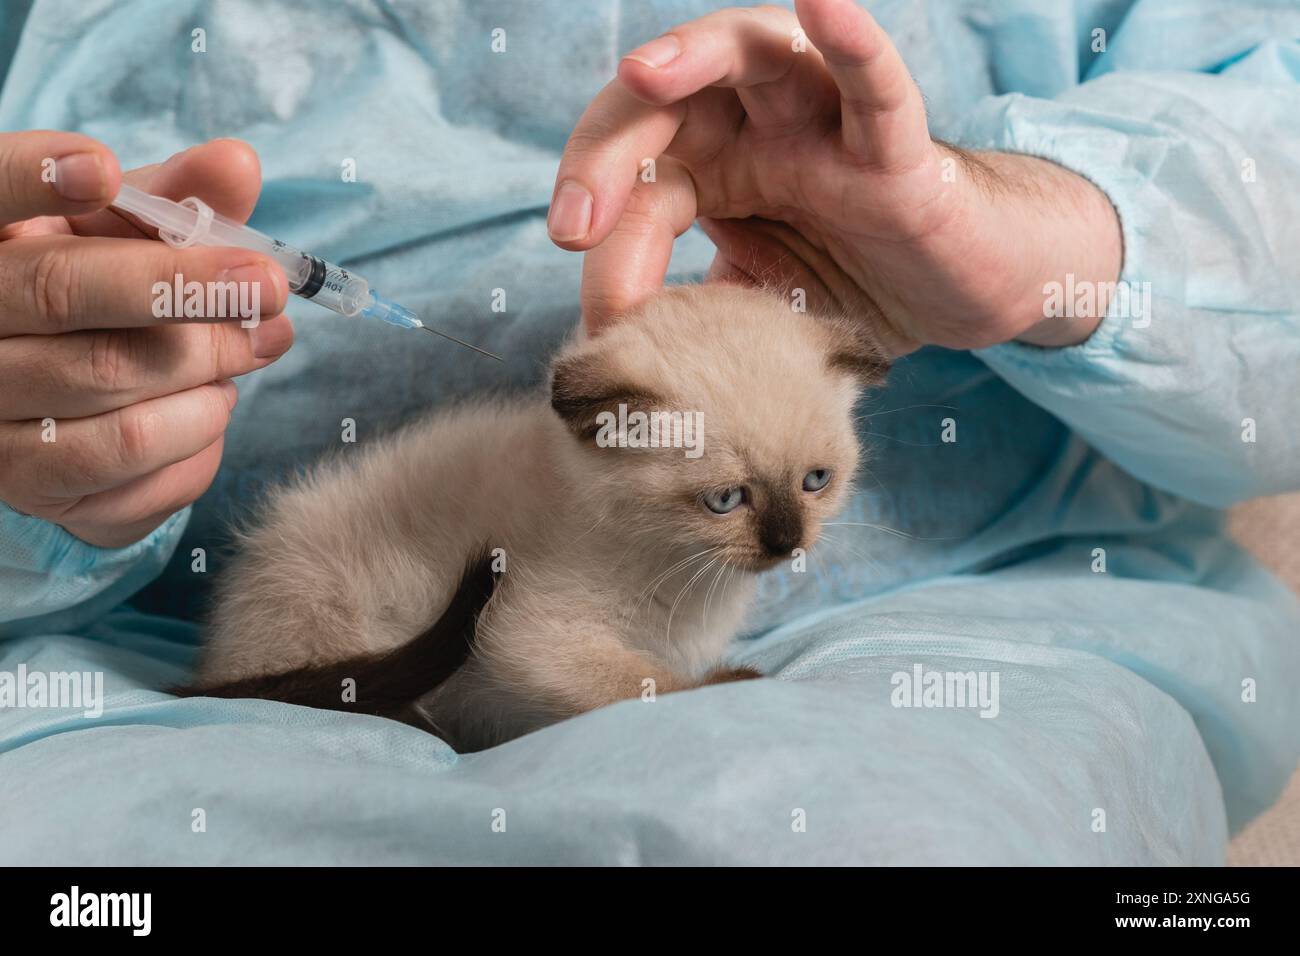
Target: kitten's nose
x: 781, y: 526
x: 780, y: 541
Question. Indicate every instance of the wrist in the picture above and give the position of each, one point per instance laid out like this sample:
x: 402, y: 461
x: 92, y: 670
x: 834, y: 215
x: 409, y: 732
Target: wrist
x: 1065, y: 247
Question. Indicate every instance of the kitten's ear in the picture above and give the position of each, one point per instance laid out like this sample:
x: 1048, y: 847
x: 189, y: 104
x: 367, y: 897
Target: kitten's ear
x: 583, y: 385
x: 855, y: 348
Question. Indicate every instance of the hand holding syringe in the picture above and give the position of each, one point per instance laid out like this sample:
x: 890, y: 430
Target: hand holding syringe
x: 192, y: 222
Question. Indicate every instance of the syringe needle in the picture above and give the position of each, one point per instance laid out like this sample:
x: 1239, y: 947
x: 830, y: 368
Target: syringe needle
x: 466, y: 344
x: 193, y: 222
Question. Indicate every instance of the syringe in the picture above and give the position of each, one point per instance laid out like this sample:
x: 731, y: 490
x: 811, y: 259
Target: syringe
x: 192, y: 222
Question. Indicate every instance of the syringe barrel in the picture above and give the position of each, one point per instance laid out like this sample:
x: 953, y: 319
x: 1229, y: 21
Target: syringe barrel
x: 309, y: 276
x: 193, y: 222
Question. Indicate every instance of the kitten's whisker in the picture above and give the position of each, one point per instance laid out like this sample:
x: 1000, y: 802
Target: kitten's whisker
x: 668, y: 632
x: 837, y: 542
x: 890, y: 411
x: 731, y: 573
x: 868, y: 473
x: 713, y: 585
x: 708, y: 595
x: 677, y: 565
x: 680, y: 594
x: 881, y: 527
x: 909, y: 444
x: 865, y: 524
x: 658, y: 580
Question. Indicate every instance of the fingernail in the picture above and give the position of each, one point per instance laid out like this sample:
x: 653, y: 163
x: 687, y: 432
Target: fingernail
x: 255, y: 273
x: 658, y: 52
x: 570, y: 216
x: 80, y: 177
x: 270, y: 339
x: 228, y: 389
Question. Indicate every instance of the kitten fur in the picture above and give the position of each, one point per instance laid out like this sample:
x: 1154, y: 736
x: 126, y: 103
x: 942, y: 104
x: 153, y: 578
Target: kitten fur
x: 615, y: 572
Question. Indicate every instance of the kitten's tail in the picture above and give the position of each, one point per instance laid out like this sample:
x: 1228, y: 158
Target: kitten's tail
x: 387, y: 683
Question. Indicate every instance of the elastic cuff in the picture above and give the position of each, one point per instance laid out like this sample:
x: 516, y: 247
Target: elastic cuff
x: 1091, y: 144
x: 46, y: 571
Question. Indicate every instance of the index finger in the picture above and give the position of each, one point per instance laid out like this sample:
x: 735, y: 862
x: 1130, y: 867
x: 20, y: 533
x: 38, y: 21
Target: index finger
x: 55, y: 284
x: 224, y: 173
x: 600, y: 164
x: 632, y: 262
x: 645, y: 112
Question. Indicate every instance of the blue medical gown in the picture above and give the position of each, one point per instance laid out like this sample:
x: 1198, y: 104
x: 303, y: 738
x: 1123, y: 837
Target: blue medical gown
x: 1069, y: 540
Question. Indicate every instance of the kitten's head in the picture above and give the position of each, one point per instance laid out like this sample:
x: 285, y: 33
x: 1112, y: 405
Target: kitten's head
x: 755, y: 402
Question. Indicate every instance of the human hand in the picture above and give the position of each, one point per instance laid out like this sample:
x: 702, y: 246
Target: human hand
x: 139, y: 405
x: 814, y: 168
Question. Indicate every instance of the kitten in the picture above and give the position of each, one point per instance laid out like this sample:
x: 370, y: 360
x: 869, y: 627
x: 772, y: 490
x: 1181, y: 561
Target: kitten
x: 621, y: 566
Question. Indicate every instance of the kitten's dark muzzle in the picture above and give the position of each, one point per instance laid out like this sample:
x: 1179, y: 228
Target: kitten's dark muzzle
x: 780, y: 533
x: 780, y: 547
x: 760, y: 560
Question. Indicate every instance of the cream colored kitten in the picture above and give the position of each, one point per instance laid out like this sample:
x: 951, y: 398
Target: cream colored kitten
x: 621, y: 566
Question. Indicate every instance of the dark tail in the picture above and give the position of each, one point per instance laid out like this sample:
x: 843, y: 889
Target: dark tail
x: 386, y: 683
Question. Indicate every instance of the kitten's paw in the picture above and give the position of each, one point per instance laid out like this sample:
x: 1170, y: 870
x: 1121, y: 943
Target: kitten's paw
x: 727, y: 675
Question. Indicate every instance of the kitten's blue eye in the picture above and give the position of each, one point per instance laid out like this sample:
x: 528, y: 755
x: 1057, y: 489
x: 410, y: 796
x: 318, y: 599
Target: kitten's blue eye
x: 817, y: 479
x: 725, y: 501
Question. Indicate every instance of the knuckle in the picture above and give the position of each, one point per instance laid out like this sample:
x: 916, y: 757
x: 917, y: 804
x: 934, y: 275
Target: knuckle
x: 649, y: 210
x: 108, y: 359
x: 639, y: 219
x: 592, y: 138
x: 51, y: 289
x: 137, y: 435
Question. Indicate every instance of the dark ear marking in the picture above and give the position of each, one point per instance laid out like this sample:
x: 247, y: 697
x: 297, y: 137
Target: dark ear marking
x: 855, y: 349
x: 581, y: 388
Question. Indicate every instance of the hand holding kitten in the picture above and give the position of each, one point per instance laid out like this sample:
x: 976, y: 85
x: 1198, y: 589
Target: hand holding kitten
x: 802, y: 146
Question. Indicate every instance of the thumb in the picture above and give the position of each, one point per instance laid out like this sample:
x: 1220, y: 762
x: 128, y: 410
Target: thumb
x: 49, y: 173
